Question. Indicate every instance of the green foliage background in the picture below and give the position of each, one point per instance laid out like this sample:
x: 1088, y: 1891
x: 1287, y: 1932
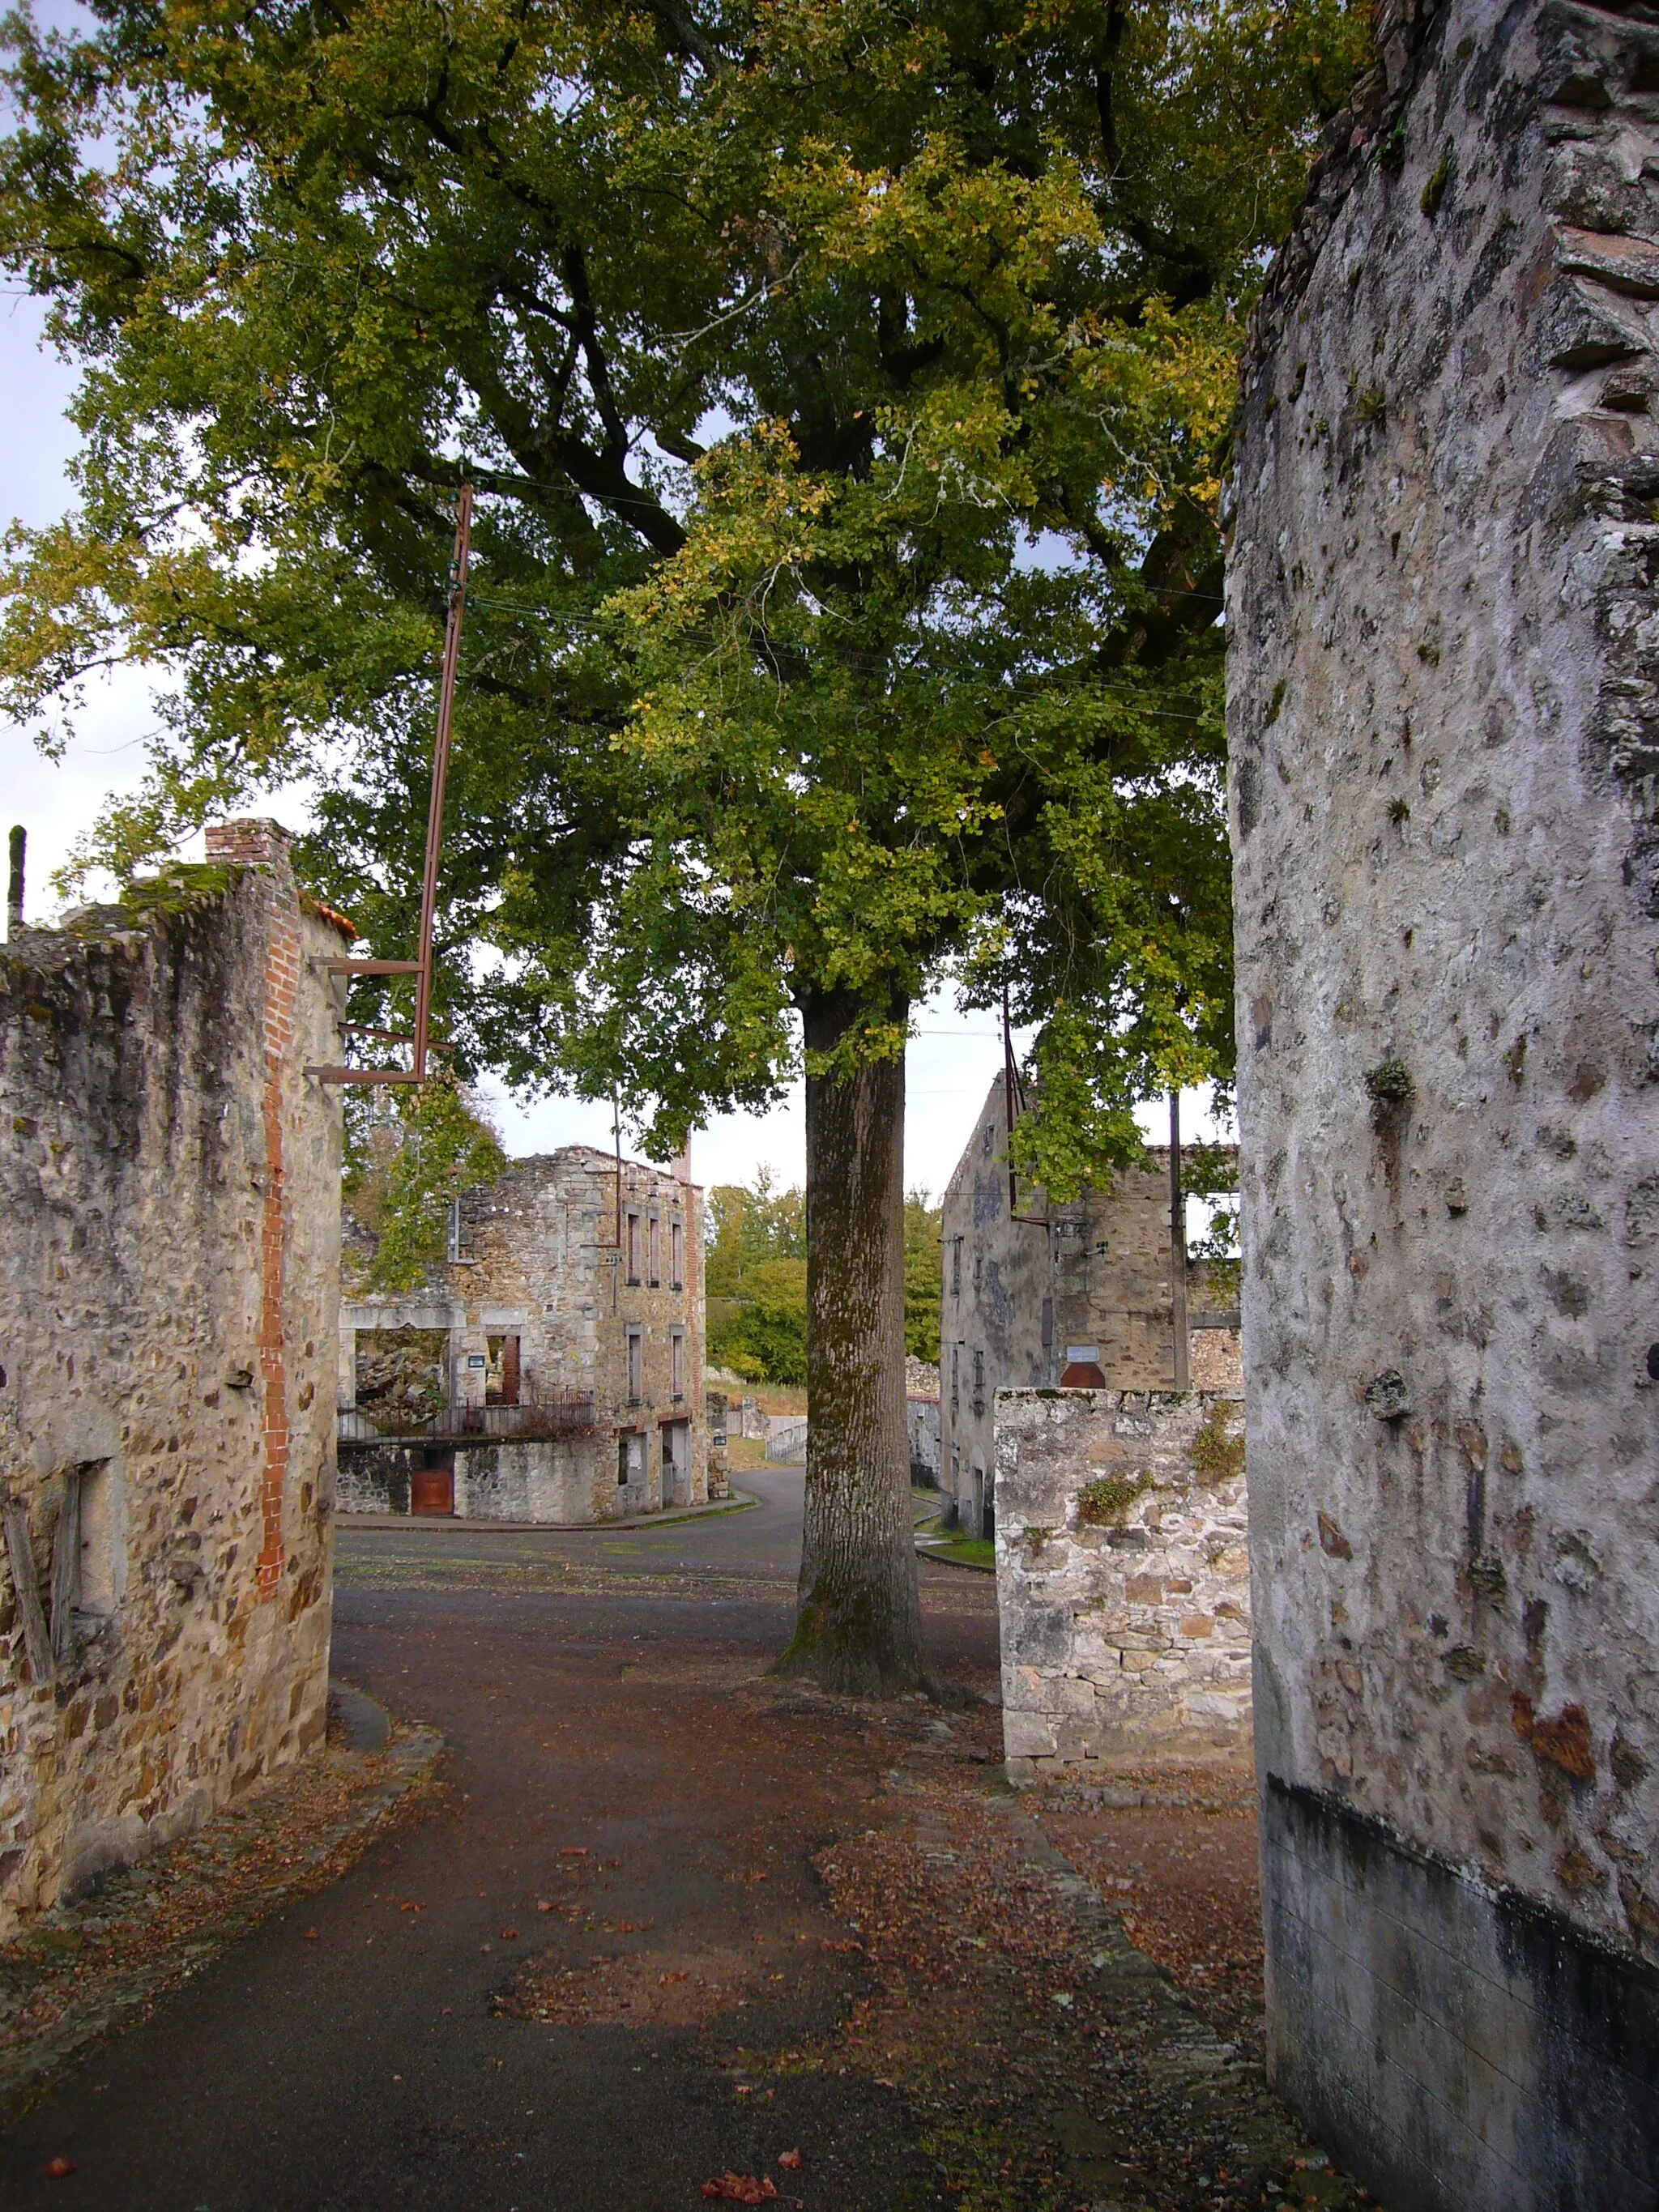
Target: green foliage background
x: 847, y: 389
x: 755, y: 1279
x: 403, y: 1167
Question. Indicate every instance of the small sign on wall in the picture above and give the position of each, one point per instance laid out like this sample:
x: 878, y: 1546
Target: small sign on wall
x: 477, y: 1360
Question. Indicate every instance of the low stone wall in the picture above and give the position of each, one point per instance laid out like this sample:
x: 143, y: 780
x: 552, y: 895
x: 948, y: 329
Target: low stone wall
x: 169, y: 1267
x: 1122, y: 1577
x: 565, y: 1481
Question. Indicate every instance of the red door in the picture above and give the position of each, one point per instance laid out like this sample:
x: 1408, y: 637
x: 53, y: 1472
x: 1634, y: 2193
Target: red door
x: 432, y: 1489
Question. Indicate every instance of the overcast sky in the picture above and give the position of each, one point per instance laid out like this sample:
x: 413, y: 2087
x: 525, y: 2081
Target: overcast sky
x: 950, y: 1061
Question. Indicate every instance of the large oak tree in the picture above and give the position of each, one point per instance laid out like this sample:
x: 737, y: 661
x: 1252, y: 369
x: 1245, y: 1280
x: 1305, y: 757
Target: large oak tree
x: 845, y: 385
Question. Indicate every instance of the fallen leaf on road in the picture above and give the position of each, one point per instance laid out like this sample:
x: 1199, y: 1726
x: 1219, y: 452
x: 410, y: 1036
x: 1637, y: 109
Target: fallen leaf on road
x: 755, y: 1877
x: 58, y: 2167
x: 573, y: 1850
x: 790, y: 2160
x: 625, y: 1928
x: 664, y: 1979
x: 543, y: 1904
x: 311, y: 1935
x: 510, y: 1935
x: 741, y: 2189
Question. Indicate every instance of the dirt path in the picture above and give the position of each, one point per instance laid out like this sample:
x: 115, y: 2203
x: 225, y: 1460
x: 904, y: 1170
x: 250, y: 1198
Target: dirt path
x: 668, y: 1925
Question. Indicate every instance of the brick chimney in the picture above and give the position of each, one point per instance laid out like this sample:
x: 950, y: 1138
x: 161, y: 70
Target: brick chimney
x: 250, y: 841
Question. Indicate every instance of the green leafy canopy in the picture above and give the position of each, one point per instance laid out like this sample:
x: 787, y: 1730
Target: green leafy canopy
x: 846, y: 388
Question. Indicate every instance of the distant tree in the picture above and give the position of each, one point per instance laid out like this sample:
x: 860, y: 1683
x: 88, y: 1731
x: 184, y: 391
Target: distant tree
x: 846, y: 390
x: 755, y: 1277
x: 922, y: 1285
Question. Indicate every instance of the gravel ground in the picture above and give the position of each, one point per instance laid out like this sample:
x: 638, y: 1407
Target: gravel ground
x: 671, y: 1932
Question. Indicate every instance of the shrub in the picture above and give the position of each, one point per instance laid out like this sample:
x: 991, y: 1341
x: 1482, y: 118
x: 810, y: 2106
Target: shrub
x: 1102, y: 1504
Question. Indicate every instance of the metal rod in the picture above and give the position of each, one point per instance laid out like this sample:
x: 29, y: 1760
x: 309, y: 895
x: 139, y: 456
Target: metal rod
x: 1013, y: 1103
x: 422, y: 969
x: 434, y: 820
x: 1183, y: 1371
x: 364, y: 1075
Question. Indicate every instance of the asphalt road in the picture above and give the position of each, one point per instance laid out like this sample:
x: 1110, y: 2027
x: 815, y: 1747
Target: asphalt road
x: 602, y: 1693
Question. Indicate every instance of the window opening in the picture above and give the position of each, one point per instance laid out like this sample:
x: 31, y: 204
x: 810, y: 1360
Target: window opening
x: 501, y: 1375
x: 677, y: 1255
x: 653, y: 1242
x: 636, y: 1366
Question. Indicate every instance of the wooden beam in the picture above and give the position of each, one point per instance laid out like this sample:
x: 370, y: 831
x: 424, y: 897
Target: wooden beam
x: 371, y: 966
x: 66, y: 1569
x: 20, y: 1551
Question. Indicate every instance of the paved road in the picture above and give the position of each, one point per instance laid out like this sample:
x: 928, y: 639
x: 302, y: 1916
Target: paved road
x: 601, y: 1693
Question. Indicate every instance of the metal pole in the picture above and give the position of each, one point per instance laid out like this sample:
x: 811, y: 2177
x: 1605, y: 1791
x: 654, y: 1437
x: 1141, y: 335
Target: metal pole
x: 1183, y: 1370
x: 14, y: 887
x: 440, y: 769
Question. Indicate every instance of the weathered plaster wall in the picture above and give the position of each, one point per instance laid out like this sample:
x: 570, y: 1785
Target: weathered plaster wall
x: 169, y: 1185
x: 1019, y: 1294
x: 1445, y: 731
x: 1123, y: 1590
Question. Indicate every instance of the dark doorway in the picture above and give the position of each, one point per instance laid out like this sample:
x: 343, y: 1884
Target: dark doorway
x: 432, y: 1489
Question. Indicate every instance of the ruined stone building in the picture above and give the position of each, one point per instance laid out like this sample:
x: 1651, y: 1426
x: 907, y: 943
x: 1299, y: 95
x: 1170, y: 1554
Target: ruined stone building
x: 169, y: 1267
x: 1083, y: 1288
x: 552, y: 1371
x: 1444, y: 723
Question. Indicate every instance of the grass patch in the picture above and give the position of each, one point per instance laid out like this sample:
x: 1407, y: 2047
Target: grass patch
x: 967, y: 1552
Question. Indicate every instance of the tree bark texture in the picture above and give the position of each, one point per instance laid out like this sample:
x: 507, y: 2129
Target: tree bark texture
x: 858, y: 1626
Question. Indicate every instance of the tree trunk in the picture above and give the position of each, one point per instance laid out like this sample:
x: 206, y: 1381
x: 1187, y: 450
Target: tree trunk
x: 858, y: 1626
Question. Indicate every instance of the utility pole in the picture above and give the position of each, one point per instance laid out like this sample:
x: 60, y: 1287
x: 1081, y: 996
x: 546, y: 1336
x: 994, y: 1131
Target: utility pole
x: 1183, y: 1368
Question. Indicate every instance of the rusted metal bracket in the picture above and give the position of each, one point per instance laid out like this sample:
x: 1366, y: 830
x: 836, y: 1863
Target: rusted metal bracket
x: 421, y: 969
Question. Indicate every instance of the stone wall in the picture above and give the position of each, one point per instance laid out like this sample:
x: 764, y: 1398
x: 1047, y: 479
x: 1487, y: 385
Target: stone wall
x: 1444, y: 723
x: 169, y: 1179
x: 550, y: 1480
x: 1122, y: 1590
